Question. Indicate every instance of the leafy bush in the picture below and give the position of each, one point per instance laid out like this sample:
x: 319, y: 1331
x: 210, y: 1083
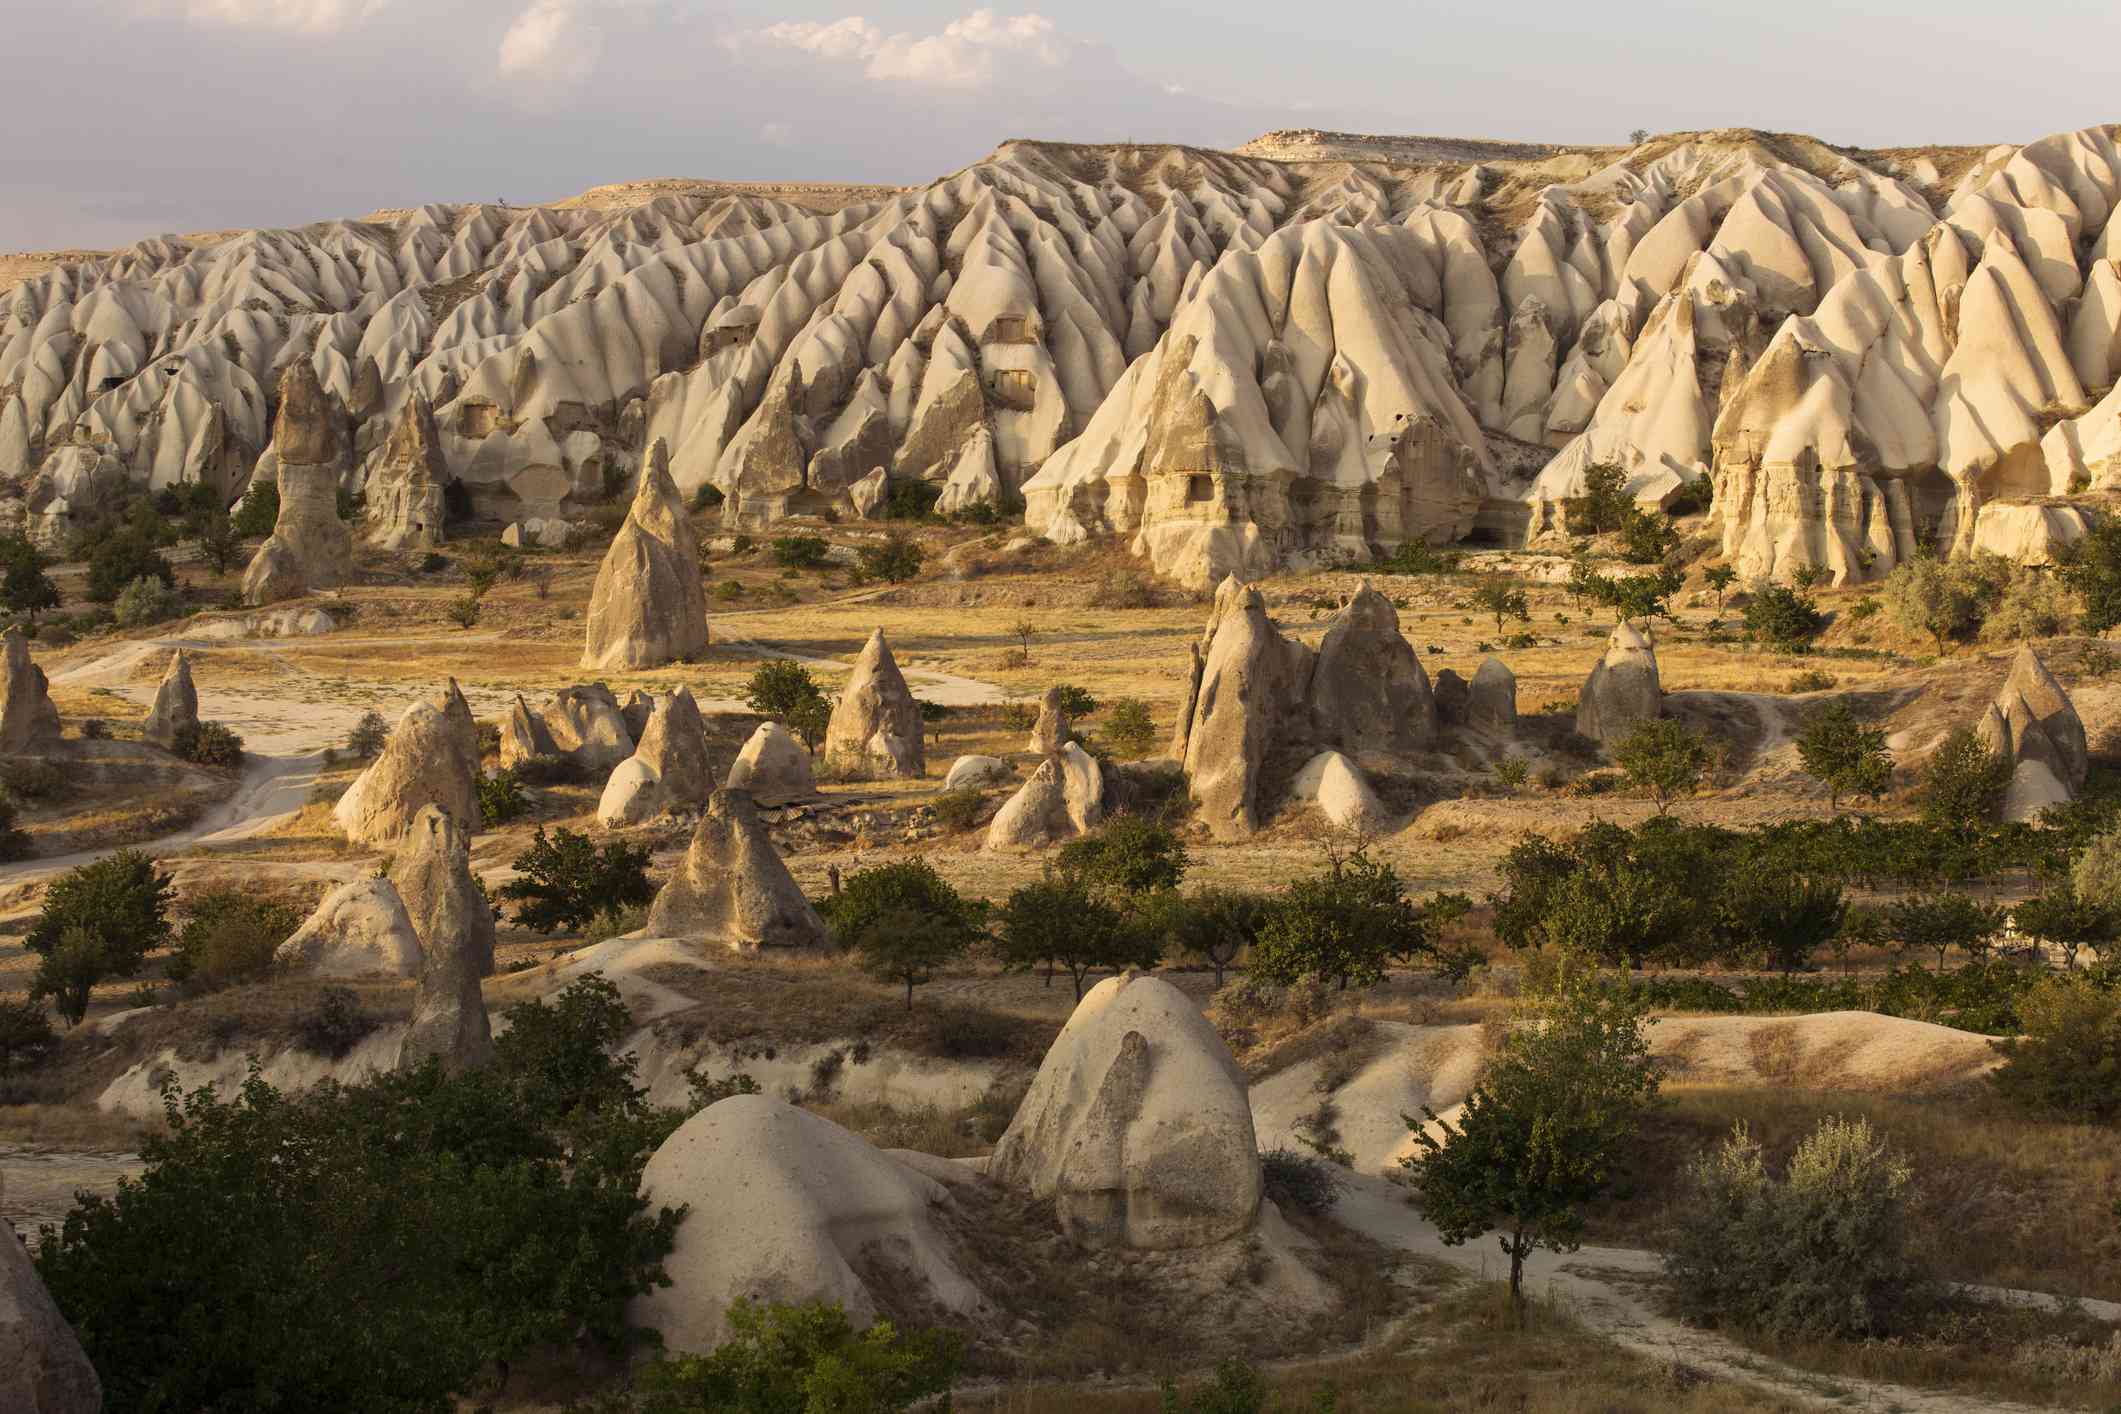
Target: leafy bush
x: 463, y: 1218
x: 1131, y: 856
x: 780, y: 688
x: 1812, y: 680
x: 1783, y: 618
x: 334, y: 1024
x: 1348, y: 923
x: 208, y: 744
x: 1057, y: 921
x: 14, y: 843
x: 894, y: 561
x: 1304, y: 1182
x: 145, y: 601
x: 1604, y: 504
x: 797, y: 552
x: 368, y: 735
x: 1645, y: 538
x: 1235, y: 1388
x: 464, y: 611
x: 1124, y: 589
x: 2068, y: 1061
x: 550, y: 771
x: 1128, y: 730
x: 1963, y: 782
x: 565, y: 881
x: 1826, y: 1251
x: 122, y: 557
x: 795, y: 1359
x: 501, y: 798
x: 2032, y: 605
x: 258, y: 510
x: 26, y: 1035
x: 1417, y: 557
x: 911, y: 499
x: 958, y: 809
x: 1923, y: 595
x: 25, y: 587
x: 1843, y: 754
x: 1076, y: 702
x: 909, y: 886
x: 33, y: 778
x: 229, y: 937
x: 99, y: 920
x: 1665, y: 758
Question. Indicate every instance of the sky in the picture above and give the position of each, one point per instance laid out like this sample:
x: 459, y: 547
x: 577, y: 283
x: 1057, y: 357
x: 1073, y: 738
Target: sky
x: 137, y: 117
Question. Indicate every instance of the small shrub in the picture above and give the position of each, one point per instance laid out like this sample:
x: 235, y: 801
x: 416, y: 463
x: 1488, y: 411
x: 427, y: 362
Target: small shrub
x: 464, y: 611
x: 565, y: 881
x: 606, y: 926
x: 14, y: 844
x: 55, y: 635
x: 121, y: 558
x: 501, y: 798
x: 334, y: 1024
x: 2068, y: 1061
x: 1076, y: 701
x: 209, y: 744
x: 1812, y: 680
x: 550, y: 771
x: 1304, y: 1182
x: 1128, y: 730
x: 29, y: 778
x: 230, y: 937
x: 801, y: 1358
x: 147, y: 600
x: 894, y: 561
x: 798, y: 552
x: 728, y: 591
x: 1783, y: 618
x: 957, y: 810
x: 259, y: 508
x: 1124, y: 589
x: 1510, y: 771
x: 911, y: 500
x: 1826, y: 1251
x: 1963, y: 782
x: 368, y: 735
x: 26, y: 1035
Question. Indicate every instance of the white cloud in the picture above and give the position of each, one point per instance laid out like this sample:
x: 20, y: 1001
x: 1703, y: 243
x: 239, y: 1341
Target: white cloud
x: 981, y: 51
x: 552, y: 41
x: 304, y: 16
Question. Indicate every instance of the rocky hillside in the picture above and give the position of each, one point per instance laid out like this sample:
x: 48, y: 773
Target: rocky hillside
x: 1320, y: 343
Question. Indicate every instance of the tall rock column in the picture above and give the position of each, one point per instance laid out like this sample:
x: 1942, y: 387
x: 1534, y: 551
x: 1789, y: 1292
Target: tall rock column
x: 876, y: 726
x: 648, y: 607
x: 405, y: 508
x: 310, y: 547
x: 28, y: 721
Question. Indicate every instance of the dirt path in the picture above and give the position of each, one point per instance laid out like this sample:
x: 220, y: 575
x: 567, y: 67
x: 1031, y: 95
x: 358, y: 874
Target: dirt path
x: 1611, y: 1290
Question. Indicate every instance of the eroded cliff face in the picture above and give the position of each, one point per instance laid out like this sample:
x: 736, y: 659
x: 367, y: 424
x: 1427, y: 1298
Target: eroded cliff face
x: 1234, y: 360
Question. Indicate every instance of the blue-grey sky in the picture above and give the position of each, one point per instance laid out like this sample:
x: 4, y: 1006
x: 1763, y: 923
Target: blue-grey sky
x: 133, y: 117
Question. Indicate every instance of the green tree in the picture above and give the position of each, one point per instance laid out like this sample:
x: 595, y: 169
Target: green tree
x: 907, y: 886
x: 25, y: 587
x: 1783, y: 618
x: 25, y: 1035
x: 1504, y: 600
x: 1604, y: 504
x: 121, y: 558
x: 230, y: 936
x: 219, y: 544
x: 805, y: 1359
x: 258, y: 510
x: 2092, y: 567
x: 566, y: 881
x: 1665, y: 758
x: 1720, y: 578
x: 800, y: 551
x: 1543, y: 1130
x: 1614, y: 896
x: 1130, y: 857
x: 1942, y: 922
x: 1923, y: 595
x: 1638, y: 596
x: 1128, y: 728
x: 901, y: 945
x: 780, y: 688
x: 99, y: 920
x: 1776, y: 917
x: 1217, y: 925
x: 2060, y: 916
x: 1844, y: 755
x: 1348, y: 923
x: 1963, y: 783
x: 1645, y: 538
x: 1058, y: 921
x: 2066, y: 1061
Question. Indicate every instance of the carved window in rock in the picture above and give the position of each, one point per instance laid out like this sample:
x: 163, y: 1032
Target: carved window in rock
x: 1010, y: 329
x: 1200, y: 489
x: 477, y: 419
x: 728, y: 336
x: 1015, y: 388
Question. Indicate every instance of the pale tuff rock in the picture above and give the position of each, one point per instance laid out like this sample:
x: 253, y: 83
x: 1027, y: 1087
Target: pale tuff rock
x: 1491, y: 701
x: 638, y: 708
x: 1623, y: 691
x: 429, y: 759
x: 732, y: 887
x: 1138, y: 1126
x: 43, y: 1369
x: 2029, y: 534
x: 360, y: 929
x: 1335, y: 785
x: 971, y: 772
x: 1229, y: 363
x: 773, y: 767
x: 432, y: 874
x: 869, y: 494
x: 28, y: 721
x: 176, y: 704
x: 587, y: 725
x: 801, y: 1209
x: 448, y: 1012
x: 405, y: 507
x: 546, y: 534
x: 1062, y: 799
x: 524, y: 735
x: 1368, y: 692
x: 648, y: 608
x: 1051, y: 729
x: 1251, y: 688
x: 310, y: 547
x: 2033, y: 725
x: 876, y: 724
x: 75, y: 483
x: 667, y: 771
